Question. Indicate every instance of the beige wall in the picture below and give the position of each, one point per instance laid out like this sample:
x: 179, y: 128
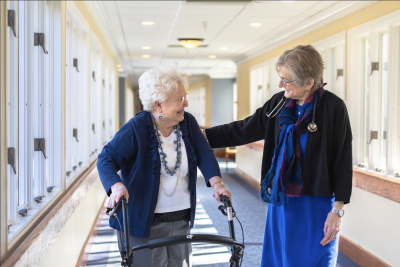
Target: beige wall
x: 372, y: 222
x: 207, y: 84
x: 249, y: 161
x: 67, y: 248
x: 364, y: 15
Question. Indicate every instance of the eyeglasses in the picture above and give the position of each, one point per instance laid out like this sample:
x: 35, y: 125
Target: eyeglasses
x: 285, y: 82
x: 181, y: 99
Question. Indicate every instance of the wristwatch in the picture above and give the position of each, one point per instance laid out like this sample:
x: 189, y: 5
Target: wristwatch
x: 339, y: 212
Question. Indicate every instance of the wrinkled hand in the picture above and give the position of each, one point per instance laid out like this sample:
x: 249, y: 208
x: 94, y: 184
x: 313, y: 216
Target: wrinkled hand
x: 118, y: 190
x: 219, y: 189
x: 331, y: 228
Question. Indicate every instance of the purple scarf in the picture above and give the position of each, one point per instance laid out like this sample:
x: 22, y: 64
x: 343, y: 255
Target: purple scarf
x: 286, y: 173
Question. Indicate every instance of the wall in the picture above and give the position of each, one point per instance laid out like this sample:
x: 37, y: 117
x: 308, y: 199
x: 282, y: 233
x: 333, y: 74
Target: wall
x: 249, y: 161
x: 222, y: 101
x: 67, y: 248
x: 121, y: 90
x: 372, y: 222
x: 371, y: 12
x: 58, y: 236
x: 207, y: 84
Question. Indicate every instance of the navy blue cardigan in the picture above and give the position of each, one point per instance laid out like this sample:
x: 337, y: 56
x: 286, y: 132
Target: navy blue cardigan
x: 134, y: 151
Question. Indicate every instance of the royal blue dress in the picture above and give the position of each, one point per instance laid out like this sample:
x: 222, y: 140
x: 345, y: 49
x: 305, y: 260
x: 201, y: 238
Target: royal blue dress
x: 293, y: 232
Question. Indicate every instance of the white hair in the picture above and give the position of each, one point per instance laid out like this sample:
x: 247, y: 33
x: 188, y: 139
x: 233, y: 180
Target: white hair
x: 157, y: 84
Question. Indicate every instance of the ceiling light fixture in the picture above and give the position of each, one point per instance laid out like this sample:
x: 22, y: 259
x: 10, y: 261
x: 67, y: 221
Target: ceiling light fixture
x: 145, y: 56
x: 147, y: 23
x: 146, y: 47
x: 188, y: 74
x: 190, y: 43
x: 255, y: 24
x: 119, y: 66
x: 223, y: 48
x: 212, y: 56
x: 120, y: 70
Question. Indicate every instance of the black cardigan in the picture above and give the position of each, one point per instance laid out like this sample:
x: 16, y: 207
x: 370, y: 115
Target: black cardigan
x: 328, y: 163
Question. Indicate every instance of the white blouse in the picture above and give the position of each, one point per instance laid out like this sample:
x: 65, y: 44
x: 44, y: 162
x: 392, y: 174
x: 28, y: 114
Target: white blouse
x: 180, y: 199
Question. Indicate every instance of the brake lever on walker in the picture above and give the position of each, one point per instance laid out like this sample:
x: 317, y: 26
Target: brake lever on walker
x: 113, y: 212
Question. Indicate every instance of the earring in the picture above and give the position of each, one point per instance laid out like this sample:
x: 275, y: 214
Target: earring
x: 159, y: 116
x: 307, y: 90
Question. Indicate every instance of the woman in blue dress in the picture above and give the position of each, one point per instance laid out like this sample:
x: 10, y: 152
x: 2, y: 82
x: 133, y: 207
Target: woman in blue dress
x: 307, y: 162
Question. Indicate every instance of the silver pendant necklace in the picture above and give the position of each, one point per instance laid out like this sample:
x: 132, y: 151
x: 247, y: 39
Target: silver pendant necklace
x: 164, y: 155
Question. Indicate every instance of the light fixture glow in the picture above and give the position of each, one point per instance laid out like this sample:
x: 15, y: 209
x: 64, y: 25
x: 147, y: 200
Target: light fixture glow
x: 228, y: 66
x: 119, y: 66
x: 146, y: 47
x: 147, y: 23
x: 188, y: 74
x: 255, y: 24
x: 223, y: 48
x: 120, y: 70
x: 212, y: 56
x: 145, y: 56
x: 190, y: 43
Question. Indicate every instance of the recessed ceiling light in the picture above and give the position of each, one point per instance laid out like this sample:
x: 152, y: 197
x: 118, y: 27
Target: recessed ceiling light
x: 212, y: 56
x: 119, y: 66
x: 188, y: 74
x: 120, y: 70
x: 145, y: 56
x: 147, y: 23
x: 223, y: 48
x: 255, y: 24
x: 146, y: 47
x: 228, y: 66
x: 218, y: 70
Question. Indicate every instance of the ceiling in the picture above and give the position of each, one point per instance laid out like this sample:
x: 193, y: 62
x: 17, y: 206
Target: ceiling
x: 227, y: 25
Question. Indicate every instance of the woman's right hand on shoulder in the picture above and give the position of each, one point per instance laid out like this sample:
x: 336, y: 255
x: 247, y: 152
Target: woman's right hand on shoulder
x: 118, y: 190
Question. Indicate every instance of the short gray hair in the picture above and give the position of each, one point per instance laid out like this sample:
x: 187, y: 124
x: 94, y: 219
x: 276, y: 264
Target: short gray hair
x: 303, y: 62
x: 157, y: 84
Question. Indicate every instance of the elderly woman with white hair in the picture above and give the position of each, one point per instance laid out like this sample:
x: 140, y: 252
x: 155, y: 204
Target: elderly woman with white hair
x: 158, y: 152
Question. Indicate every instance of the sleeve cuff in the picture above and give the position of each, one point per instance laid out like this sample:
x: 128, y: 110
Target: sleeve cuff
x: 110, y: 183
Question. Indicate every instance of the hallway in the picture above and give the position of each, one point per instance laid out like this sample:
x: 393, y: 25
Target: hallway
x: 251, y: 211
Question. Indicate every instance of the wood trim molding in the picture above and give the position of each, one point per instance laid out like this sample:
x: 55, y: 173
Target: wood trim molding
x: 377, y: 184
x: 359, y: 254
x: 35, y: 246
x: 87, y: 246
x: 258, y: 146
x: 253, y: 182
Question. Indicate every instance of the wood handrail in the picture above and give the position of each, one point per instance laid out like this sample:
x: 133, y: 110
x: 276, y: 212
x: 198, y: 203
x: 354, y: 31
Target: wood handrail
x: 376, y: 183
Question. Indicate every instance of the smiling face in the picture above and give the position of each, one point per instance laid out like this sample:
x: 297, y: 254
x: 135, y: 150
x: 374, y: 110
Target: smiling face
x: 171, y: 110
x: 292, y: 90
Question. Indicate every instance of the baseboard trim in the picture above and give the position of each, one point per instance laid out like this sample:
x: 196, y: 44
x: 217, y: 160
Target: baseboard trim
x: 87, y: 246
x: 253, y: 182
x: 355, y: 252
x: 358, y: 254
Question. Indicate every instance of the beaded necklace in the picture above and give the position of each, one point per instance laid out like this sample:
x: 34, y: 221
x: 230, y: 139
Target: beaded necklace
x: 164, y: 155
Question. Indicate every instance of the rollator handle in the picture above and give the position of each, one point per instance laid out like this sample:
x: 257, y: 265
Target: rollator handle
x: 113, y: 212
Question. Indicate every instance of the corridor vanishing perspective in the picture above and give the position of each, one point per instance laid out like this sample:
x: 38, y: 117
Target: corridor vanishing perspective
x: 69, y: 87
